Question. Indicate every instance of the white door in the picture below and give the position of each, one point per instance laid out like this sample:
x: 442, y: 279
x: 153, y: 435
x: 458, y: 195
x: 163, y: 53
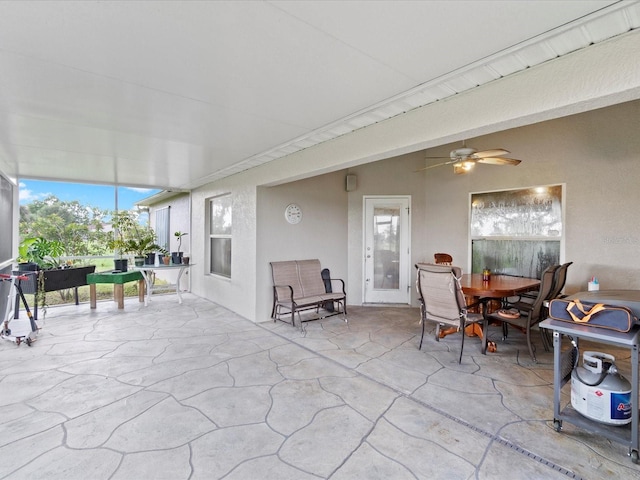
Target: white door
x: 386, y: 249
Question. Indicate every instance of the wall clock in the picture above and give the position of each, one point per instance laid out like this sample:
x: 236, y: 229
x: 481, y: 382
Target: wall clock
x: 293, y: 213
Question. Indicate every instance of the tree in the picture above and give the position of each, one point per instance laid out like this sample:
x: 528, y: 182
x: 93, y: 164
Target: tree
x: 78, y: 227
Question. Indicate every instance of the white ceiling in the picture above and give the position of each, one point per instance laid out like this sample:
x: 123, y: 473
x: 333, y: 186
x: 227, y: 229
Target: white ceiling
x: 172, y: 94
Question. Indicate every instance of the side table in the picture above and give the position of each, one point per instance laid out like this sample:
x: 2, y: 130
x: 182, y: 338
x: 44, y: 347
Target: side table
x: 148, y: 270
x: 118, y: 279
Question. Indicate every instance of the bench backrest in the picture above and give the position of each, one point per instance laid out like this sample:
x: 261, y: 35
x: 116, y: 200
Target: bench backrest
x: 311, y: 277
x: 304, y: 276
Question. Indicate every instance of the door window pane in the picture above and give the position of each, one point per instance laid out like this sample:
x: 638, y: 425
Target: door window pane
x: 386, y: 222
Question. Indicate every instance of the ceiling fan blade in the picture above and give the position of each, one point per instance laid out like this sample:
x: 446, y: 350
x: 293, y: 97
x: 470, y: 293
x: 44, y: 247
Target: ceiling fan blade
x: 490, y: 153
x: 436, y: 165
x: 499, y: 161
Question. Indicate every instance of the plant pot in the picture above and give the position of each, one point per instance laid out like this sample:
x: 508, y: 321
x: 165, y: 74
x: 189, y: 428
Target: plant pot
x: 27, y: 267
x: 166, y: 259
x: 138, y: 261
x: 150, y: 259
x: 185, y: 260
x: 176, y: 258
x: 121, y: 264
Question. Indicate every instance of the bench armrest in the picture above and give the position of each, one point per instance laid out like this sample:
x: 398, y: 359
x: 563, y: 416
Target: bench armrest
x: 275, y: 291
x: 338, y: 280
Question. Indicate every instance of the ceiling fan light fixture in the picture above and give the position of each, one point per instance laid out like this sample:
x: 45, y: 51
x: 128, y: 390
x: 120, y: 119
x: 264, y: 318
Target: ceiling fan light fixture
x: 467, y: 165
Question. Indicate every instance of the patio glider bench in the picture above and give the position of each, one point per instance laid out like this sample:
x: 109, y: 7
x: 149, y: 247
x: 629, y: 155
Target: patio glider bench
x: 298, y: 285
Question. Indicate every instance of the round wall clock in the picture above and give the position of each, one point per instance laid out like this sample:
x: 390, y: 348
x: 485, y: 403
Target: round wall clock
x: 293, y: 213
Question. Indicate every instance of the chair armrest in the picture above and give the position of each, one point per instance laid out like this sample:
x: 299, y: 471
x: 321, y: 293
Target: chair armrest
x: 338, y: 280
x: 275, y: 291
x: 481, y: 301
x: 520, y: 306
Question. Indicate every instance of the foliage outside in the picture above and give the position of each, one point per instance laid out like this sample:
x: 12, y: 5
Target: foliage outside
x: 79, y: 228
x: 52, y: 228
x: 129, y: 236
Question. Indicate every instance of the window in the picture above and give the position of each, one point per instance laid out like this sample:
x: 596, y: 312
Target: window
x: 220, y: 236
x: 162, y: 227
x: 517, y: 232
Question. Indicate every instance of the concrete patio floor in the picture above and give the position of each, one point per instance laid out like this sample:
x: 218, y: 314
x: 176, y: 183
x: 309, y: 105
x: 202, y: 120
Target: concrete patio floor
x: 193, y: 391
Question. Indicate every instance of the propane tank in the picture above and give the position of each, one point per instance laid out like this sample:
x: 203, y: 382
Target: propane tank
x: 599, y: 392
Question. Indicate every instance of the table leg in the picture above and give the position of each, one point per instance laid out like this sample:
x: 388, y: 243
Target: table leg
x: 141, y: 289
x: 118, y: 293
x: 92, y: 295
x: 472, y: 330
x: 178, y: 285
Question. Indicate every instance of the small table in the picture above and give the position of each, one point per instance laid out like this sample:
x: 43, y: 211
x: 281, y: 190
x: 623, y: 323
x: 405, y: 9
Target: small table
x: 147, y: 273
x: 498, y: 286
x: 118, y: 279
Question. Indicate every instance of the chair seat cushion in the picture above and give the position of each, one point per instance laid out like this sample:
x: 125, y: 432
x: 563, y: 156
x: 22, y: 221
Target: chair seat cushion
x: 332, y: 296
x: 508, y: 313
x: 302, y: 301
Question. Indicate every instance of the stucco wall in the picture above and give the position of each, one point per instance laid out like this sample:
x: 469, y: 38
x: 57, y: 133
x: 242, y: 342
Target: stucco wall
x: 596, y: 154
x: 237, y: 293
x: 321, y: 234
x: 598, y: 196
x: 396, y: 176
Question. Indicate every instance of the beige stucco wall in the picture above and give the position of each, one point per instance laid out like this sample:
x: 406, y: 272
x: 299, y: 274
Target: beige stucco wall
x: 596, y: 154
x: 395, y: 176
x: 321, y: 234
x: 580, y: 154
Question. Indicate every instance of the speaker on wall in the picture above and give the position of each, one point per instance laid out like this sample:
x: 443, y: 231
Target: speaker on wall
x: 351, y: 183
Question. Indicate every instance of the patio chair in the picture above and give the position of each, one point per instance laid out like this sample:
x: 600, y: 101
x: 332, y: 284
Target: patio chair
x: 442, y: 302
x: 559, y: 281
x: 525, y: 314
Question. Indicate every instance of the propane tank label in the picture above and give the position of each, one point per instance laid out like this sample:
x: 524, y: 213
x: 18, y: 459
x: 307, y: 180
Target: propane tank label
x: 620, y: 406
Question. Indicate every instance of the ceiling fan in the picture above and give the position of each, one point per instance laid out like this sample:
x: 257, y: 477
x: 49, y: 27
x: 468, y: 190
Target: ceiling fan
x: 463, y: 159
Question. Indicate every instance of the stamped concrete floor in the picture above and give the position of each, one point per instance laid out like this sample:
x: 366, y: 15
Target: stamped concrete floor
x: 193, y: 391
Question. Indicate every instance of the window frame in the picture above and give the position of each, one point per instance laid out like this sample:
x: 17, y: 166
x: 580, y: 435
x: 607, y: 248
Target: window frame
x: 219, y: 235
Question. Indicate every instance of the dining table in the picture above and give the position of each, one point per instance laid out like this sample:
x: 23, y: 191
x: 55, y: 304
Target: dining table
x: 477, y: 289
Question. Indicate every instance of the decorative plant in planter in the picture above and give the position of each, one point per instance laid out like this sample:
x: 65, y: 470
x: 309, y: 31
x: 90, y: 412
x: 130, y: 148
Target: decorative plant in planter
x: 129, y: 237
x: 37, y: 253
x: 43, y: 256
x: 177, y: 256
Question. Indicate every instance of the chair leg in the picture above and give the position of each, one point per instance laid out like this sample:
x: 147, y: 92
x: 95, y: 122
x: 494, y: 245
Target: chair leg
x: 485, y: 334
x: 530, y: 345
x: 462, y: 341
x: 423, y: 321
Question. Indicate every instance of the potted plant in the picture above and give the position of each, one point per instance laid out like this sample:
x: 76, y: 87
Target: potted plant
x: 129, y: 237
x: 37, y: 253
x: 50, y: 274
x: 176, y: 257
